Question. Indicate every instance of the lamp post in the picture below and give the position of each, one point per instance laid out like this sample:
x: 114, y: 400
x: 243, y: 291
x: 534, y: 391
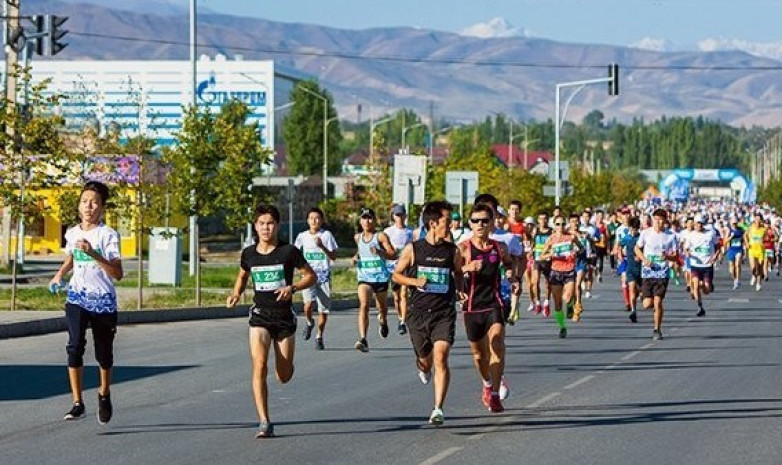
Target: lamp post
x: 193, y: 265
x: 404, y: 131
x: 372, y: 125
x: 325, y: 139
x: 431, y: 139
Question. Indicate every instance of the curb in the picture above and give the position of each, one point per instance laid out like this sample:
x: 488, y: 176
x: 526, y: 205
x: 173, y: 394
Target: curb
x: 131, y: 317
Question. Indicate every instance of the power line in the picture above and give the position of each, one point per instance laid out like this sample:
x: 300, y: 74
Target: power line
x: 437, y: 61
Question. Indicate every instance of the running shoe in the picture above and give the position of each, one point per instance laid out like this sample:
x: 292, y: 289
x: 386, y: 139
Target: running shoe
x: 757, y: 286
x: 569, y: 312
x: 495, y: 406
x: 504, y: 389
x: 104, y: 409
x: 657, y: 335
x: 546, y: 309
x: 752, y: 281
x: 76, y: 412
x: 514, y: 316
x: 633, y: 317
x: 486, y: 395
x: 383, y: 328
x: 319, y: 343
x: 628, y: 308
x: 308, y: 329
x: 562, y: 333
x: 735, y: 285
x: 401, y: 328
x: 531, y: 307
x: 362, y: 345
x: 538, y: 309
x: 436, y: 418
x: 424, y: 377
x: 701, y: 312
x: 265, y: 430
x: 588, y: 294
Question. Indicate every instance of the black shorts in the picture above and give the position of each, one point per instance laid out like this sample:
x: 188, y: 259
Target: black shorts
x: 633, y: 276
x: 544, y: 267
x: 560, y: 278
x: 654, y: 287
x: 428, y: 326
x: 477, y: 324
x: 377, y: 288
x: 703, y: 274
x: 280, y: 323
x: 592, y: 261
x: 600, y: 251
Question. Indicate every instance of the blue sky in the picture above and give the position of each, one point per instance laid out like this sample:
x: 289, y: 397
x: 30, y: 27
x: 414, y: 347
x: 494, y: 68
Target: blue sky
x: 620, y: 22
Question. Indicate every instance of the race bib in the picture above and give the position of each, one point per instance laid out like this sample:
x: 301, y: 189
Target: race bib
x: 268, y: 278
x: 562, y: 249
x: 315, y: 256
x: 371, y: 265
x: 735, y: 242
x: 655, y: 258
x: 81, y: 257
x: 437, y: 279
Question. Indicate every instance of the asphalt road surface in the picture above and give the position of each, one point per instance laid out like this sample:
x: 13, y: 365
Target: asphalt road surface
x: 709, y: 393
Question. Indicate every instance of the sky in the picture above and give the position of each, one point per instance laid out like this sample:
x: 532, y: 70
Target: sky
x: 666, y: 24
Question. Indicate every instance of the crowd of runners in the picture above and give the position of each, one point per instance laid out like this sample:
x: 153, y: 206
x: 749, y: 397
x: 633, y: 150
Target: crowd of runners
x: 443, y: 267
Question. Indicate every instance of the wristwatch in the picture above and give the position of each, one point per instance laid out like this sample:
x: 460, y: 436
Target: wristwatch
x: 293, y: 289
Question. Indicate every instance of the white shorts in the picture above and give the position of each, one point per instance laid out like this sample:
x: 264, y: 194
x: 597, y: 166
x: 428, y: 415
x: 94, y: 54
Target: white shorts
x: 321, y: 293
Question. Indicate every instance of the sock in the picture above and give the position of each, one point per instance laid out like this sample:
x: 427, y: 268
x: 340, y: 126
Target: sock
x: 560, y: 316
x: 486, y: 383
x: 626, y: 294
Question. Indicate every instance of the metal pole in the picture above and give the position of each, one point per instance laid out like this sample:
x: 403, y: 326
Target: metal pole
x: 11, y: 11
x: 325, y: 150
x: 526, y: 144
x: 20, y: 252
x: 556, y: 148
x: 194, y: 84
x: 510, y: 145
x: 371, y: 134
x: 290, y: 210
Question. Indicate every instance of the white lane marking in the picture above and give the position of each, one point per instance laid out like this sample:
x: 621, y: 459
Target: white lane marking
x: 780, y: 301
x: 218, y: 391
x: 476, y: 436
x: 543, y: 400
x: 647, y: 346
x: 439, y: 457
x: 579, y: 382
x: 630, y: 355
x: 738, y: 300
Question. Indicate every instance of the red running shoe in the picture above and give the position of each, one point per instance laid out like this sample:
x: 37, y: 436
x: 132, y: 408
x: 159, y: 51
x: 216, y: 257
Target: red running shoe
x: 486, y: 395
x: 546, y: 310
x: 495, y: 405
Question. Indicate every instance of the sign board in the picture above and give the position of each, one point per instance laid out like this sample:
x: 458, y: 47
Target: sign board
x: 461, y: 187
x: 409, y: 179
x: 551, y: 191
x: 564, y: 169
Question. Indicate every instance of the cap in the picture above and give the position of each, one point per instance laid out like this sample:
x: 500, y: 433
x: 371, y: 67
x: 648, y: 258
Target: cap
x: 700, y: 219
x: 529, y: 220
x: 456, y: 216
x: 399, y: 210
x: 367, y: 213
x: 501, y: 212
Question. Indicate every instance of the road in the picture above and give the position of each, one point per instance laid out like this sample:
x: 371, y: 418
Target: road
x: 709, y: 393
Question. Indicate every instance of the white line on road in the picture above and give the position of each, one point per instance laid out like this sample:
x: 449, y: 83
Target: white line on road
x: 543, y: 400
x: 441, y: 456
x: 630, y: 355
x: 579, y: 382
x: 647, y: 346
x: 738, y: 300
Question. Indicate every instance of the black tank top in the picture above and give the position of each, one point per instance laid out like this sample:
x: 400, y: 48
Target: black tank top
x: 435, y: 262
x: 483, y: 287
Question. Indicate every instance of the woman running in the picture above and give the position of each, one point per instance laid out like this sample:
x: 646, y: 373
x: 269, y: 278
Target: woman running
x: 562, y: 248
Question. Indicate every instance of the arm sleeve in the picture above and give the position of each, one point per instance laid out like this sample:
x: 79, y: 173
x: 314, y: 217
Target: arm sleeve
x: 330, y: 242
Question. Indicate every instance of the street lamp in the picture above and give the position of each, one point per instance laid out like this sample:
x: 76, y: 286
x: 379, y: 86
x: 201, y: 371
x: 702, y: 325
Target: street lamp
x: 325, y: 139
x: 372, y: 125
x: 404, y: 131
x: 431, y: 139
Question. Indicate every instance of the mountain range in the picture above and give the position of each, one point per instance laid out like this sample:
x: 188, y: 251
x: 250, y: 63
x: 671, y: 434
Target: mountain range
x: 459, y: 76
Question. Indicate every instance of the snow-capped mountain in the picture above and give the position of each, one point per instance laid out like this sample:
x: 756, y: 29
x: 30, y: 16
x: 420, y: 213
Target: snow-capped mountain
x: 493, y: 29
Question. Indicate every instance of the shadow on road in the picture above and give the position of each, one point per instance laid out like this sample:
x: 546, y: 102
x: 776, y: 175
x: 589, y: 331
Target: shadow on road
x: 27, y: 382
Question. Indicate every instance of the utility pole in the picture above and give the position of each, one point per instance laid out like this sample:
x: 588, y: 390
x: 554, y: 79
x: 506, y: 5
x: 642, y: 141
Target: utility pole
x: 11, y: 9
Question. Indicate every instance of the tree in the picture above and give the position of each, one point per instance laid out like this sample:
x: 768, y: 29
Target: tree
x: 303, y: 131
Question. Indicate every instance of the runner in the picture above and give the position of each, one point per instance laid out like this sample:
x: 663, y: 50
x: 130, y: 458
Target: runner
x: 373, y: 248
x: 601, y: 242
x: 735, y: 252
x: 701, y: 249
x: 320, y: 249
x: 654, y: 249
x: 271, y: 264
x: 685, y: 261
x: 457, y: 230
x: 632, y: 265
x: 575, y: 308
x: 542, y: 267
x: 562, y: 248
x: 399, y: 234
x: 592, y: 235
x: 753, y: 242
x: 529, y: 255
x: 769, y: 244
x: 516, y: 250
x: 621, y: 231
x: 484, y: 319
x: 92, y: 252
x: 431, y: 268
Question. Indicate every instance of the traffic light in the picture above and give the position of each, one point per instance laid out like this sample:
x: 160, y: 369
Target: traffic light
x: 613, y: 75
x: 54, y: 26
x: 39, y: 22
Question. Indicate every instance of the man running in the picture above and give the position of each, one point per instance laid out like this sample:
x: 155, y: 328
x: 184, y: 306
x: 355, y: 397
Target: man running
x: 769, y: 244
x: 655, y: 248
x: 399, y: 234
x: 701, y: 248
x: 541, y: 268
x: 373, y: 248
x: 601, y: 242
x: 320, y: 249
x: 735, y: 251
x: 632, y: 271
x: 431, y: 268
x: 753, y: 242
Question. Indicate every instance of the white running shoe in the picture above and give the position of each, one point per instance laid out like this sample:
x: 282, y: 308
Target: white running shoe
x: 531, y: 307
x: 424, y: 377
x: 752, y: 281
x: 588, y: 295
x: 735, y: 285
x: 504, y: 389
x: 757, y: 286
x: 437, y: 417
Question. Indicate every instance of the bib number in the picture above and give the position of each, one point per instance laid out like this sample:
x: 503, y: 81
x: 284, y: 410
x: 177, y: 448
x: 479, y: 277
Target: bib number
x: 268, y: 278
x: 437, y: 279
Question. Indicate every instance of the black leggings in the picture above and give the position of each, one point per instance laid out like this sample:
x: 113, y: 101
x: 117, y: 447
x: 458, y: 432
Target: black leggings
x: 104, y: 327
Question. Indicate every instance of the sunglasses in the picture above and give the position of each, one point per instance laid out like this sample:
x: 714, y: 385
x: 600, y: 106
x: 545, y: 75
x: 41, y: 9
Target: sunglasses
x: 480, y: 220
x: 559, y: 224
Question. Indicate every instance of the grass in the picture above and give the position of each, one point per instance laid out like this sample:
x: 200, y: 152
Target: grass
x: 32, y: 299
x: 211, y: 278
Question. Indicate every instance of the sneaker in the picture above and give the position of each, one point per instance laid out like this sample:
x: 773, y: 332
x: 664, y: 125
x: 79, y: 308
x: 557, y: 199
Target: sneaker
x: 383, y: 329
x: 495, y: 406
x: 362, y: 345
x: 265, y: 430
x: 588, y: 294
x: 752, y: 281
x: 504, y: 389
x: 538, y: 309
x: 634, y: 317
x: 319, y: 343
x: 424, y: 377
x: 628, y: 308
x: 486, y: 395
x: 531, y: 307
x: 757, y: 286
x: 104, y: 409
x: 513, y: 317
x: 735, y: 285
x: 600, y: 277
x: 308, y: 329
x: 401, y: 328
x: 688, y: 289
x: 76, y: 412
x: 657, y: 335
x: 701, y: 312
x: 436, y: 418
x: 676, y: 281
x: 546, y: 309
x: 562, y: 333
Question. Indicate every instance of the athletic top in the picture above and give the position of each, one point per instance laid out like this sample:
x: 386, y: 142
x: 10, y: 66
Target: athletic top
x: 517, y: 229
x: 628, y: 250
x: 601, y: 242
x: 371, y: 268
x: 564, y: 258
x: 769, y: 239
x: 483, y: 287
x: 270, y: 272
x: 436, y: 263
x: 314, y: 255
x: 701, y: 246
x: 540, y: 242
x: 90, y: 287
x: 399, y: 238
x: 755, y: 237
x: 654, y: 244
x: 737, y: 237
